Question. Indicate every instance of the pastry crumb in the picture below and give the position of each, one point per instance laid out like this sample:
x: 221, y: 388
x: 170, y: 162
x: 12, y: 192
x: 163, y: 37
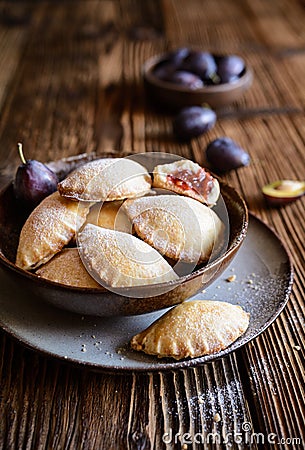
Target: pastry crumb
x: 217, y: 418
x: 231, y: 278
x: 297, y: 347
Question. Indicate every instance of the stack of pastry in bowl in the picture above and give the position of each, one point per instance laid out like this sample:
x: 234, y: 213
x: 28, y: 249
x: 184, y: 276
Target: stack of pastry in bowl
x: 105, y: 226
x: 124, y: 232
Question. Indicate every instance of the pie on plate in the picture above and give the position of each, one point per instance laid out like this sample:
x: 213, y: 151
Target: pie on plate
x: 106, y: 179
x: 186, y: 177
x: 121, y: 259
x: 50, y: 226
x: 180, y: 228
x: 67, y: 268
x: 109, y: 215
x: 192, y: 329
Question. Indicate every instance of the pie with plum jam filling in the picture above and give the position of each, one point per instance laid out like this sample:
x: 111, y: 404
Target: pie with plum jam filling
x: 187, y: 178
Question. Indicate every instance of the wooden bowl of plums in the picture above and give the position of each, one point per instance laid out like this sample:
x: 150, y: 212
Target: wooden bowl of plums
x: 188, y: 77
x: 57, y: 246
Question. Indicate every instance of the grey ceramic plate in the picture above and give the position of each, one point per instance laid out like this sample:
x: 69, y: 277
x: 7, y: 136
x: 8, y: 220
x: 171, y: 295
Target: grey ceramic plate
x: 263, y: 283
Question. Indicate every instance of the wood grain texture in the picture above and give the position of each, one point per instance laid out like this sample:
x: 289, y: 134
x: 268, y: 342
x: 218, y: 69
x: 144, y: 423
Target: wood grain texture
x: 70, y: 83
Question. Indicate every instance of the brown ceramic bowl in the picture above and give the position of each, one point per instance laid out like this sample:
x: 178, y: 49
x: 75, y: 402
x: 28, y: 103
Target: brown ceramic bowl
x: 99, y: 301
x: 173, y: 96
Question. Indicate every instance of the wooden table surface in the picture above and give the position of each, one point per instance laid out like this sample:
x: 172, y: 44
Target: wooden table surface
x: 70, y: 82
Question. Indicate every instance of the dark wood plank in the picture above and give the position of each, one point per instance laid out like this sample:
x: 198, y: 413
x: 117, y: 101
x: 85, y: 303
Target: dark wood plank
x: 150, y: 410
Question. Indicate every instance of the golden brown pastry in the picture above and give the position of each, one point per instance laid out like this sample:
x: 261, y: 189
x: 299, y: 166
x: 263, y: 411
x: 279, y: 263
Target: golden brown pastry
x: 120, y: 259
x: 109, y: 215
x: 192, y: 329
x: 187, y: 178
x: 106, y: 179
x: 48, y: 229
x: 67, y: 268
x: 178, y: 227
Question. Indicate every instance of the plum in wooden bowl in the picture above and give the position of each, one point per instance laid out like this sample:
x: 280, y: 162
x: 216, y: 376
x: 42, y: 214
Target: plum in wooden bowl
x: 95, y: 298
x: 187, y: 77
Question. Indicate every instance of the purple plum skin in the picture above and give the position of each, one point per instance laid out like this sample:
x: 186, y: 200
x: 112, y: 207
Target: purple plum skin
x: 224, y: 154
x: 33, y: 182
x: 192, y: 122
